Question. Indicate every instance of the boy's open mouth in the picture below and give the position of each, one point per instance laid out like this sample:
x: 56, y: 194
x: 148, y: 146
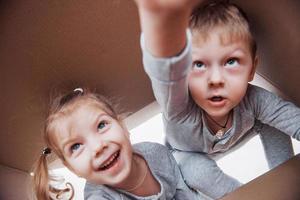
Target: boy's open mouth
x: 216, y: 98
x: 110, y: 161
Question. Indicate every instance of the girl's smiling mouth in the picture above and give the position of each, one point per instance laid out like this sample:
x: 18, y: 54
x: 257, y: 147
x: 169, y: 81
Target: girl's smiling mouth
x: 110, y: 162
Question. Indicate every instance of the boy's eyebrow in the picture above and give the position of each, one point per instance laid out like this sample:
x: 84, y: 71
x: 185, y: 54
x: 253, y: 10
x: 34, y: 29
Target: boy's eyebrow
x: 239, y: 50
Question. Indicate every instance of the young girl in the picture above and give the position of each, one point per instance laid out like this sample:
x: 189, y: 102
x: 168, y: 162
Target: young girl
x: 85, y: 132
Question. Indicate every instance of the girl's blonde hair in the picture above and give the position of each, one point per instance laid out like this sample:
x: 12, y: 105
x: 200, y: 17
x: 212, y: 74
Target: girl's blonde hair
x: 229, y: 18
x: 61, y: 106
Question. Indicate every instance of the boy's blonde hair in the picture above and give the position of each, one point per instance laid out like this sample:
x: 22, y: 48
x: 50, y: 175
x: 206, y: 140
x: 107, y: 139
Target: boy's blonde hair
x: 227, y: 18
x: 61, y: 106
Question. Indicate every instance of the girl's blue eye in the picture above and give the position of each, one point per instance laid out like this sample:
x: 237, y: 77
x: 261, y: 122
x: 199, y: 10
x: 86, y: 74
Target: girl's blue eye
x: 198, y: 64
x: 232, y: 62
x: 102, y: 124
x: 75, y: 147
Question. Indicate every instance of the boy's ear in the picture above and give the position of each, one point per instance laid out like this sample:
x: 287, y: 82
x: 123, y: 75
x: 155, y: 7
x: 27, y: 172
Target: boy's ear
x: 252, y: 73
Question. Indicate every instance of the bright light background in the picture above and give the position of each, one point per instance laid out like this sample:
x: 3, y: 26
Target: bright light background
x: 244, y: 164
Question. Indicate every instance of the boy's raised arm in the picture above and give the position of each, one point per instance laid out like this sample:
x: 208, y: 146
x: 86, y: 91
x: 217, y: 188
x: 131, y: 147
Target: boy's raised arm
x: 164, y: 24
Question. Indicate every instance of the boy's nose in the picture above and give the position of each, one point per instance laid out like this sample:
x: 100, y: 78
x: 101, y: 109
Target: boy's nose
x: 216, y: 77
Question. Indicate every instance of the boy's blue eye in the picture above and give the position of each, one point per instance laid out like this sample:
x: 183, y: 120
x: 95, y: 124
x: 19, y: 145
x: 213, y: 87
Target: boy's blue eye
x: 75, y: 147
x: 232, y: 62
x: 102, y: 124
x: 198, y: 64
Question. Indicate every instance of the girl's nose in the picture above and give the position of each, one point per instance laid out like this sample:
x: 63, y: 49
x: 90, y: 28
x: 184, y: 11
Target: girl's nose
x: 98, y: 147
x: 216, y: 78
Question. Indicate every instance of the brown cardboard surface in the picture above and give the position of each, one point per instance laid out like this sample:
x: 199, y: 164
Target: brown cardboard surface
x: 280, y: 183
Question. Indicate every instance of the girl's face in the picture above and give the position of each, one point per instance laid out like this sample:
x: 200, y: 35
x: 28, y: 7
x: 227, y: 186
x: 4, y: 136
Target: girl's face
x: 95, y: 146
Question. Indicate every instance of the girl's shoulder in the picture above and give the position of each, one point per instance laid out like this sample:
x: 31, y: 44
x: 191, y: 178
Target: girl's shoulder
x: 150, y: 148
x: 155, y: 154
x: 92, y: 191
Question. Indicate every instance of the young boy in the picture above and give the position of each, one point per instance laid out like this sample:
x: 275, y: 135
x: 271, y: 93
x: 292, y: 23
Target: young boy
x: 200, y: 79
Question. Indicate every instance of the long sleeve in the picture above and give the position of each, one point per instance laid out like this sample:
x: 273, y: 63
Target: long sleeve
x: 169, y: 79
x: 274, y: 111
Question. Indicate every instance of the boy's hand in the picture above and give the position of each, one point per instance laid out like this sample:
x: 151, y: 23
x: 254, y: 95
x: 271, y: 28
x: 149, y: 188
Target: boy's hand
x: 166, y: 5
x: 164, y: 24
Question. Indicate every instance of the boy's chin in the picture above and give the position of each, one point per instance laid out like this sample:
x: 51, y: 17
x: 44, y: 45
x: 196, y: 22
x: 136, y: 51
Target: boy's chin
x: 218, y: 114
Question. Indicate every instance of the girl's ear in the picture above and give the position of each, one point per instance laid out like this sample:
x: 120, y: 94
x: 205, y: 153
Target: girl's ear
x: 253, y: 70
x: 70, y: 168
x: 65, y: 163
x: 123, y: 125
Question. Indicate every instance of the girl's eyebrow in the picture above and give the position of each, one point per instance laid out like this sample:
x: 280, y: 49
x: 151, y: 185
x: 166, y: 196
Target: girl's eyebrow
x: 95, y: 123
x: 99, y: 117
x: 66, y: 142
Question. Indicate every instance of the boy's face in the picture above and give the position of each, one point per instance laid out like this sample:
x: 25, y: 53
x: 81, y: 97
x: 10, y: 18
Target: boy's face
x: 95, y: 146
x: 220, y: 73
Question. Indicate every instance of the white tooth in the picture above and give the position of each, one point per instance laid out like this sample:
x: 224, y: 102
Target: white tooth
x: 109, y: 161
